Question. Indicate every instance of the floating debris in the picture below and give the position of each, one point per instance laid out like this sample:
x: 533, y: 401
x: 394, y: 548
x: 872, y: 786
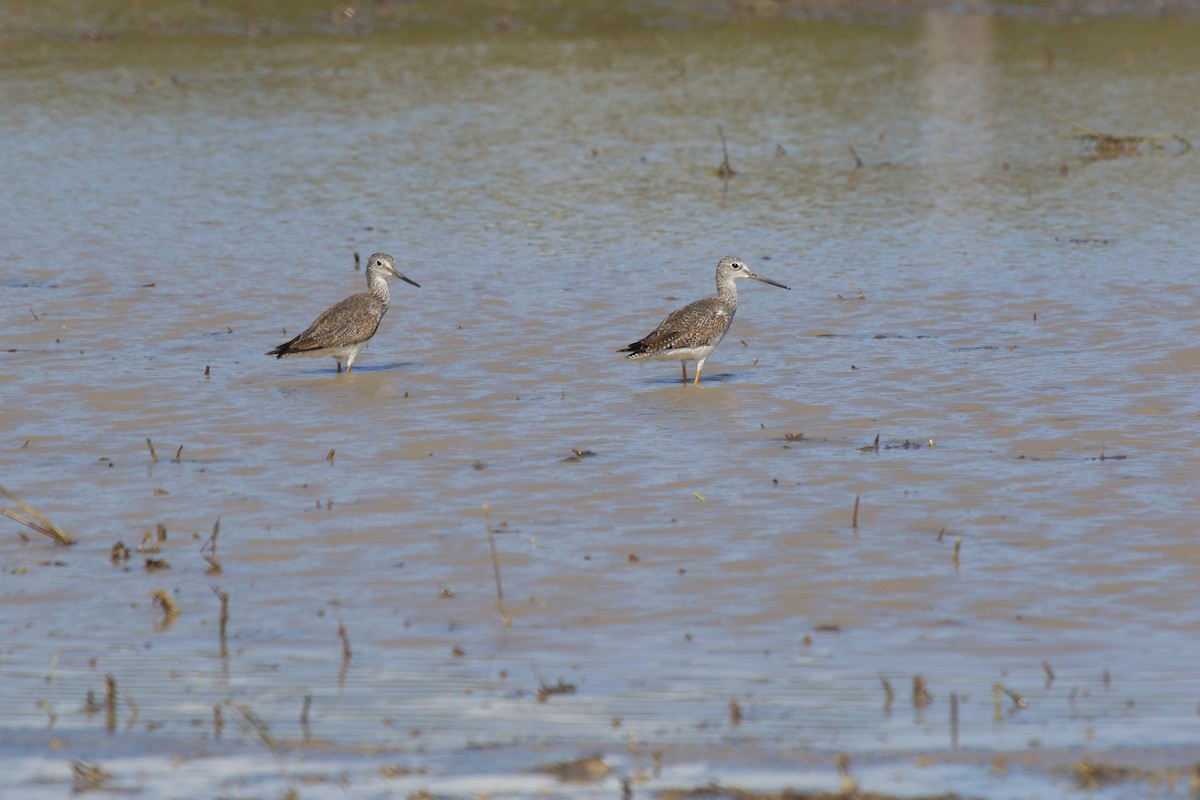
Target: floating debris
x: 1109, y: 145
x: 35, y: 521
x: 544, y: 691
x: 163, y: 599
x: 119, y: 553
x: 87, y: 776
x: 581, y: 770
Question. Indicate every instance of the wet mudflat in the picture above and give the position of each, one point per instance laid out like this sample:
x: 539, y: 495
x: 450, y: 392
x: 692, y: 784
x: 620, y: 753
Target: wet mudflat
x: 928, y: 524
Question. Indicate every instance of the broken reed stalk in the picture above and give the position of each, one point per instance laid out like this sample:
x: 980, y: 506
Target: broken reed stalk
x: 153, y: 455
x: 110, y: 703
x: 224, y: 597
x: 487, y: 516
x: 854, y: 519
x: 35, y: 520
x: 345, y: 637
x: 264, y: 734
x: 889, y: 695
x: 134, y: 710
x: 304, y: 718
x: 209, y: 550
x: 921, y: 696
x: 260, y: 727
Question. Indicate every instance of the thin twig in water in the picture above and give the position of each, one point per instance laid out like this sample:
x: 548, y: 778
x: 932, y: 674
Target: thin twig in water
x: 304, y: 717
x: 153, y: 455
x: 224, y: 597
x: 487, y: 517
x: 889, y: 695
x: 725, y: 171
x: 110, y: 703
x: 671, y: 59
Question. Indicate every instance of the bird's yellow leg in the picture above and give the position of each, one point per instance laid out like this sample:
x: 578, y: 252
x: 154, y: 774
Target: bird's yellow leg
x: 697, y: 381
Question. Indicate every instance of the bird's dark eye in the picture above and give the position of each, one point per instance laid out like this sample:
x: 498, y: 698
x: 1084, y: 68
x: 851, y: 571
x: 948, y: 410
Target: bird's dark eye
x: 736, y: 265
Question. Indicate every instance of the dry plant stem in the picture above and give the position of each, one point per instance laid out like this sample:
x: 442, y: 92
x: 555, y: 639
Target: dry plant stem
x: 224, y: 597
x: 38, y: 522
x: 304, y: 717
x: 889, y: 695
x: 345, y: 637
x: 153, y: 455
x: 110, y: 703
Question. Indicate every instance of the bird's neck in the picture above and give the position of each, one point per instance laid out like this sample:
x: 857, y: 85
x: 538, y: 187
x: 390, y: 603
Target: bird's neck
x: 377, y: 286
x: 727, y: 291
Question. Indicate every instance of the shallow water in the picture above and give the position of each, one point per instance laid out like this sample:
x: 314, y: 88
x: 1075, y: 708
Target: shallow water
x: 1012, y: 317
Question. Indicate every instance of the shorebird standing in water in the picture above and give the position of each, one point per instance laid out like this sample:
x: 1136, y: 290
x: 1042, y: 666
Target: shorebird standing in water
x: 691, y: 333
x: 344, y: 329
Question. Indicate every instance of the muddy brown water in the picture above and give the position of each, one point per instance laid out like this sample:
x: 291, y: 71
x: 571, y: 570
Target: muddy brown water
x: 1013, y: 320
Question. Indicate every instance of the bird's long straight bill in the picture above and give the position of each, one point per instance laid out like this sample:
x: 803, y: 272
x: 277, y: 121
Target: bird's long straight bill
x: 758, y: 277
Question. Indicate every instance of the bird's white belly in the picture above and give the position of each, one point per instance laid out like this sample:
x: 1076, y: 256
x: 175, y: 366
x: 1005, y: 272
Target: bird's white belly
x: 336, y: 352
x: 684, y: 353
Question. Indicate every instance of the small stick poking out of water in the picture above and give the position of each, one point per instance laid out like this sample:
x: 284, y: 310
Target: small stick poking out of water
x: 110, y: 702
x: 304, y: 717
x: 345, y: 637
x: 888, y: 695
x: 921, y: 696
x: 858, y: 162
x: 954, y: 720
x: 1049, y: 673
x: 209, y: 550
x: 725, y: 171
x: 854, y: 519
x: 153, y: 455
x: 487, y: 517
x: 224, y: 597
